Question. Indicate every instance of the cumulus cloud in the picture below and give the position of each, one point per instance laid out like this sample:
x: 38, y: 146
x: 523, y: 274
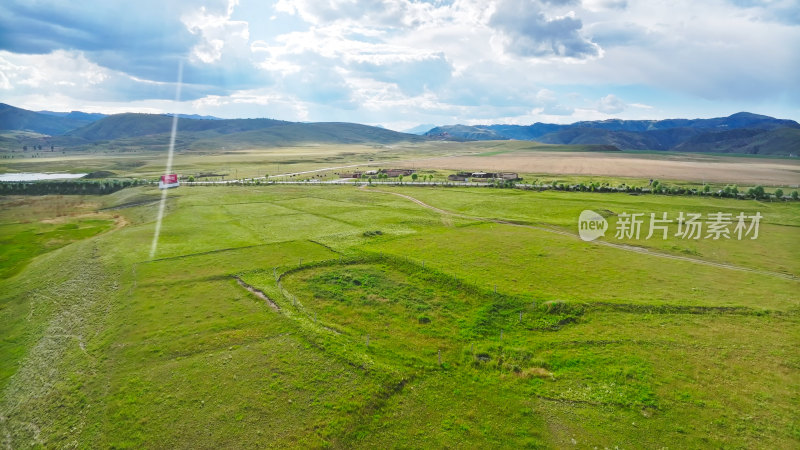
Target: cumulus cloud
x: 529, y: 32
x: 71, y: 73
x: 610, y: 104
x: 405, y: 61
x: 217, y: 31
x: 390, y: 13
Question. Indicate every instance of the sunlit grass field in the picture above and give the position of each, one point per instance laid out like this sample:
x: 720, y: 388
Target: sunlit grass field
x: 386, y: 323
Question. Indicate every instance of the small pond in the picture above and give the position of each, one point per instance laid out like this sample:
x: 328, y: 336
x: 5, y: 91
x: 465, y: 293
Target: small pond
x: 38, y: 176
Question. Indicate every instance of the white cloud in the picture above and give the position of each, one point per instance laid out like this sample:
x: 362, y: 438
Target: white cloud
x: 600, y: 5
x: 43, y: 73
x: 549, y: 105
x: 391, y: 13
x: 610, y: 104
x: 217, y: 31
x: 404, y: 61
x: 5, y: 83
x: 258, y: 103
x: 528, y: 31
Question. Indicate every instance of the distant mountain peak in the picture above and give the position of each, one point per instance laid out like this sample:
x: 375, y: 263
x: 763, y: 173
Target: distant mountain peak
x: 745, y: 114
x: 735, y: 133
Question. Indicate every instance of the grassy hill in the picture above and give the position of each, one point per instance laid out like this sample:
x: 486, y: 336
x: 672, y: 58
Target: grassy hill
x: 133, y: 125
x: 304, y: 133
x: 132, y: 130
x: 584, y: 136
x: 13, y: 118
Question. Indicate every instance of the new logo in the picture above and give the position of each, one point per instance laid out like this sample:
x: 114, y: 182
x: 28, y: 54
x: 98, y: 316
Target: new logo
x: 591, y: 225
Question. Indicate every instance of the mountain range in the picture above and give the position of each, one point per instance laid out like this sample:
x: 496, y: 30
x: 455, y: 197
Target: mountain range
x: 739, y: 133
x: 77, y: 130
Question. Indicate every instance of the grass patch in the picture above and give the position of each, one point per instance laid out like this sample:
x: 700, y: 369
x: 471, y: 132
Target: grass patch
x: 19, y: 243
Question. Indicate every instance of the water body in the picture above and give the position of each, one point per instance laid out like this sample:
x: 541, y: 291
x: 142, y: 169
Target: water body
x: 38, y: 176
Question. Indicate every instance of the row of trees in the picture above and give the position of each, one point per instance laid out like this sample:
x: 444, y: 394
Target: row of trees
x: 414, y: 177
x: 656, y: 187
x: 756, y: 192
x: 34, y: 148
x: 72, y: 187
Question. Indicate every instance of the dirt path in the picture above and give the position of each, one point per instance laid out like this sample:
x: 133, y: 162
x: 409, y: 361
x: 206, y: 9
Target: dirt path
x: 629, y: 248
x: 257, y: 293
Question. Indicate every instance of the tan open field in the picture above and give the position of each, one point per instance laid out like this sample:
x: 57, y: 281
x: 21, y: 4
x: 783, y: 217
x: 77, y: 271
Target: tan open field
x: 770, y: 172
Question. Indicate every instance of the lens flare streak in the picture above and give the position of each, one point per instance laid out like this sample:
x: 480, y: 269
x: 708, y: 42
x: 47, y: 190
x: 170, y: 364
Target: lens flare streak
x: 168, y: 169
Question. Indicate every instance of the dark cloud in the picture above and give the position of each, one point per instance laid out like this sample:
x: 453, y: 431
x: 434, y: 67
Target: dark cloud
x: 41, y: 27
x: 531, y: 33
x: 145, y: 40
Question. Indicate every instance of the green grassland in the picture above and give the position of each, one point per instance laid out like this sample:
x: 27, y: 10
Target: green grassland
x: 775, y: 249
x: 545, y: 341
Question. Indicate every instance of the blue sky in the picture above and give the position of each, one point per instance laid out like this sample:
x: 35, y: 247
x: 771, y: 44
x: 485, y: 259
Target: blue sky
x: 400, y: 63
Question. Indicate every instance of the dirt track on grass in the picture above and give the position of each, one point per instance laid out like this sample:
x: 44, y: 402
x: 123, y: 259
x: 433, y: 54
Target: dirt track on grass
x: 258, y: 293
x: 719, y: 169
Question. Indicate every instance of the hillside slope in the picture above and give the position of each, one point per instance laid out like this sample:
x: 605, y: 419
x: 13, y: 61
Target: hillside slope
x: 779, y: 141
x: 133, y: 125
x: 304, y: 133
x: 13, y: 118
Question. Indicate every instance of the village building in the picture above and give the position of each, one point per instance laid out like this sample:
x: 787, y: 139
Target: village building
x: 482, y: 175
x: 392, y: 173
x: 460, y: 176
x: 510, y: 176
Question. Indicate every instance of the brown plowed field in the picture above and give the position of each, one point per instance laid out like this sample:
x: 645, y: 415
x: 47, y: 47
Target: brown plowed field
x: 716, y: 169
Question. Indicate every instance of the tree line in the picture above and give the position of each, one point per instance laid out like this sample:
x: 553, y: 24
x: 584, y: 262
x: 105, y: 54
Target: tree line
x: 72, y: 187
